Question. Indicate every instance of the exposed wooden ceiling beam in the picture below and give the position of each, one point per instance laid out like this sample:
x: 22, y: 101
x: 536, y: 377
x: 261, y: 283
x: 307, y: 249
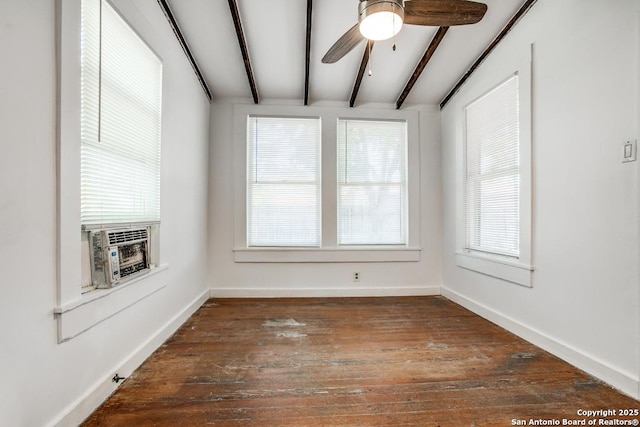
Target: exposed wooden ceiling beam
x: 423, y: 63
x: 363, y: 66
x: 185, y: 47
x: 308, y: 53
x: 233, y: 6
x: 512, y: 22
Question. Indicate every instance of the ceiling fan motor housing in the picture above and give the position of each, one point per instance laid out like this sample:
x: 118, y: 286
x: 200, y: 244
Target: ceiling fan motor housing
x: 370, y: 13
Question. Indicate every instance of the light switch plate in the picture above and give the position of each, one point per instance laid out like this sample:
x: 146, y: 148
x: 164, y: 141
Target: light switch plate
x: 629, y: 151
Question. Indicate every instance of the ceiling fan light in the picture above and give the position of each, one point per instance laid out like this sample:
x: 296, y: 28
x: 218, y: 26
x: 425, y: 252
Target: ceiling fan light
x: 380, y: 19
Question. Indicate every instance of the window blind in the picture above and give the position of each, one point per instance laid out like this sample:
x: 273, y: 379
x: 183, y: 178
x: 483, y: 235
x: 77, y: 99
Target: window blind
x: 121, y: 96
x: 492, y: 172
x: 283, y: 183
x: 372, y: 182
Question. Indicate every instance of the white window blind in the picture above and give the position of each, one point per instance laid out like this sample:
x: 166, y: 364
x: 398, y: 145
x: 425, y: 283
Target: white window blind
x: 492, y: 172
x: 283, y: 182
x: 120, y: 120
x: 372, y: 182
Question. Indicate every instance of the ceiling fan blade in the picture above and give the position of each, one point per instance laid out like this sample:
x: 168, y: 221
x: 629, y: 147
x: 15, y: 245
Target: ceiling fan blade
x: 443, y: 13
x: 344, y: 45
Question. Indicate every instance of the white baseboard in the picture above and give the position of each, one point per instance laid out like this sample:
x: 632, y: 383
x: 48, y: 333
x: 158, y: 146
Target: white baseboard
x: 85, y: 405
x: 271, y: 292
x: 622, y: 381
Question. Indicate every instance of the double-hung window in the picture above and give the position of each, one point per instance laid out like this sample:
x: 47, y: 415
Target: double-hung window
x: 372, y: 182
x: 121, y: 97
x: 283, y: 182
x: 492, y: 172
x: 326, y: 184
x: 495, y: 195
x: 120, y: 122
x: 110, y: 94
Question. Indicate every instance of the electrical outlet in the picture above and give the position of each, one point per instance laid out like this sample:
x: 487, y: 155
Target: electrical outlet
x: 356, y: 276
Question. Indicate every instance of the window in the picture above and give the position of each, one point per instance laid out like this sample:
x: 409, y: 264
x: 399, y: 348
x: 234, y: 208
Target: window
x: 121, y: 96
x: 108, y: 154
x: 283, y: 181
x: 494, y: 190
x: 287, y: 189
x: 372, y: 182
x: 492, y: 172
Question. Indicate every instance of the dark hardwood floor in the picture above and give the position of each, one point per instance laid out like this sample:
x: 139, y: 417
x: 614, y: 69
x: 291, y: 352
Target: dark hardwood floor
x: 421, y: 361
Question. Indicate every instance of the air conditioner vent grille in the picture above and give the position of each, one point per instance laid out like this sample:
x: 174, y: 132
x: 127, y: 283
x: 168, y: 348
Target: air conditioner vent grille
x: 124, y: 236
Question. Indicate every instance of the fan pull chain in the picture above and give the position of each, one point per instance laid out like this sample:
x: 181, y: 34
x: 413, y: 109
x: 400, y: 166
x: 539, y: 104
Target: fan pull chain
x: 394, y: 36
x: 369, y: 47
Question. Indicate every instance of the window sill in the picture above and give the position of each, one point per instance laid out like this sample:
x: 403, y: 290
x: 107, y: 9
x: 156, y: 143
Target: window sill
x: 312, y: 255
x: 98, y: 305
x: 498, y: 267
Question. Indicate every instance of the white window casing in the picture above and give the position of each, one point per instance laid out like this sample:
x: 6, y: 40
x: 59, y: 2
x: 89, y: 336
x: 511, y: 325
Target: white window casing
x: 76, y: 311
x: 494, y: 192
x: 329, y: 249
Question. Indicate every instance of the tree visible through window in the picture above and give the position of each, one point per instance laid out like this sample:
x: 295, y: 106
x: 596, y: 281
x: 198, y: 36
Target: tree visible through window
x: 372, y: 182
x: 283, y: 182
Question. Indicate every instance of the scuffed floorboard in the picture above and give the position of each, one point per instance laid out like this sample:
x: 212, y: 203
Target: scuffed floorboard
x: 420, y: 361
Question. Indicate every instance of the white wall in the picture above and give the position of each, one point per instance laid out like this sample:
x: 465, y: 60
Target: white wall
x: 584, y: 301
x: 229, y: 278
x: 583, y: 304
x: 44, y: 382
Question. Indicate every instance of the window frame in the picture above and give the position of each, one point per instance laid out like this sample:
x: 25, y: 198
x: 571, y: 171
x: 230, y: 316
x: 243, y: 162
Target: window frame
x: 251, y: 158
x: 75, y: 311
x: 329, y: 251
x: 510, y: 269
x: 402, y: 184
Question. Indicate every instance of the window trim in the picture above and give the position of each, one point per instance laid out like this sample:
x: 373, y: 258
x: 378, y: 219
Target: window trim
x: 330, y: 251
x: 75, y: 311
x: 514, y: 270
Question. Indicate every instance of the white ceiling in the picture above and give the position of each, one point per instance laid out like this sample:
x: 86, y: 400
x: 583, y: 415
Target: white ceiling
x: 275, y: 32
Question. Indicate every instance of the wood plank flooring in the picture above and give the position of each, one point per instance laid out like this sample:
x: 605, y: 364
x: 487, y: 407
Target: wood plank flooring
x: 415, y: 361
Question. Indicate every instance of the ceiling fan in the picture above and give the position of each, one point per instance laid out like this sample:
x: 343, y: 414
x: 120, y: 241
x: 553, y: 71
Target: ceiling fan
x: 383, y: 19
